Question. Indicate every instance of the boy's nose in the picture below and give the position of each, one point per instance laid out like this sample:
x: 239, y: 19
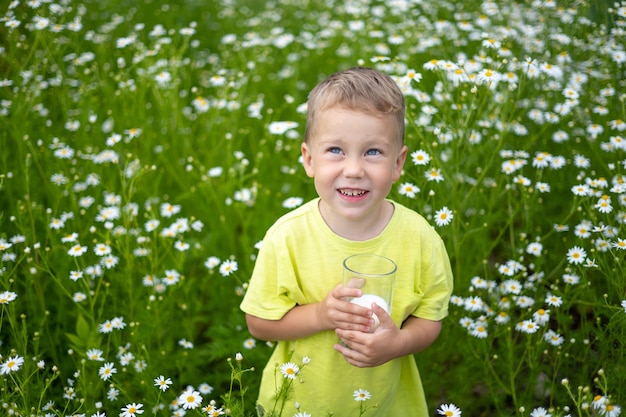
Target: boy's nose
x: 353, y: 168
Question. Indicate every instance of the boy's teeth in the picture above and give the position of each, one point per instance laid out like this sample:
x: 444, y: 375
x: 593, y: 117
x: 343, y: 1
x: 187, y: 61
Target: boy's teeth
x: 352, y: 193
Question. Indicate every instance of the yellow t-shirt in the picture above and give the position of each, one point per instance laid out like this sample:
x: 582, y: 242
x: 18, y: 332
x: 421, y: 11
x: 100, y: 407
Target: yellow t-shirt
x: 299, y: 262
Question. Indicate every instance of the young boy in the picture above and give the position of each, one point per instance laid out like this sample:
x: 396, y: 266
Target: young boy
x: 354, y: 150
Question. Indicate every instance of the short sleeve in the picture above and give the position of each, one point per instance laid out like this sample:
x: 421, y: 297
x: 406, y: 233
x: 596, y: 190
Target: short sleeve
x: 436, y: 281
x: 270, y: 295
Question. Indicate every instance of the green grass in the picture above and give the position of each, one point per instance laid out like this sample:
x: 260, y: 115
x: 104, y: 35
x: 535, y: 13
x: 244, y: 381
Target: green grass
x: 86, y: 115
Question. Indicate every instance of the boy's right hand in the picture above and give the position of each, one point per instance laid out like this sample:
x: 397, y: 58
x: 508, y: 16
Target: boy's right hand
x: 335, y: 312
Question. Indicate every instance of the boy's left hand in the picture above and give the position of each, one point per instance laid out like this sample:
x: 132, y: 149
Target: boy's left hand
x: 371, y: 349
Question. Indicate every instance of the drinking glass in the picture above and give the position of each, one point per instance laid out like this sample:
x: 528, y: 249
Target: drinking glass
x: 374, y: 275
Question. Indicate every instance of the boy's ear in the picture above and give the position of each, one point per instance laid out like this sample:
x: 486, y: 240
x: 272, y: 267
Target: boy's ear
x: 400, y: 163
x: 307, y: 159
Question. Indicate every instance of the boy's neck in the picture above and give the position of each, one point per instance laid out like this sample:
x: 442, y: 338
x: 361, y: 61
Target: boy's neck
x: 358, y: 229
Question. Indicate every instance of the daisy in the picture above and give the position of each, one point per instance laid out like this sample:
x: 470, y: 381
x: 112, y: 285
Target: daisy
x: 443, y: 216
x: 576, y: 255
x: 541, y: 160
x: 109, y: 261
x: 64, y: 152
x: 217, y: 80
x: 107, y: 370
x: 581, y: 161
x: 56, y: 224
x: 181, y: 246
x: 168, y: 210
x: 408, y: 189
x: 171, y: 277
x: 118, y: 323
x: 457, y: 300
x: 560, y: 136
x: 131, y: 410
x: 474, y: 303
x: 151, y: 225
x: 491, y: 43
x: 141, y: 252
x: 292, y: 202
x: 502, y: 318
x: 228, y: 267
x: 212, y: 411
x: 289, y: 370
x: 190, y: 399
x: 113, y: 394
x: 553, y: 300
x: 571, y: 279
x: 557, y: 162
x: 133, y: 132
x: 594, y: 130
x: 95, y: 355
x: 583, y: 229
x: 215, y: 172
x: 12, y: 364
x: 185, y: 344
x: 7, y: 296
x: 604, y: 204
x: 279, y: 128
x: 524, y: 301
x: 611, y: 410
x: 542, y: 187
x: 361, y: 395
x: 620, y: 244
x: 77, y: 250
x: 212, y: 262
x: 86, y: 202
x: 479, y: 331
x: 101, y: 249
x: 420, y: 157
x: 466, y: 323
x: 488, y: 77
x: 449, y: 410
x: 511, y: 286
x: 553, y: 338
x: 540, y: 412
x: 79, y: 297
x: 205, y: 388
x: 126, y: 358
x: 200, y: 104
x: 521, y: 180
x: 581, y: 190
x: 601, y: 244
x: 541, y: 316
x: 618, y: 125
x: 527, y: 326
x: 534, y: 248
x: 70, y: 238
x: 249, y: 343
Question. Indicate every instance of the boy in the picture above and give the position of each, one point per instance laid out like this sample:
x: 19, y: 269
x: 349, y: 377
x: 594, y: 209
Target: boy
x: 354, y: 150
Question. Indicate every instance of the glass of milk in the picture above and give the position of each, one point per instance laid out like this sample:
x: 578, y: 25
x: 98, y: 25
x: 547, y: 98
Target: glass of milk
x: 374, y: 275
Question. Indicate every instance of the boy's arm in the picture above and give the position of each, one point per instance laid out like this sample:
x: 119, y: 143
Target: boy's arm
x: 387, y: 342
x: 299, y: 322
x: 305, y: 320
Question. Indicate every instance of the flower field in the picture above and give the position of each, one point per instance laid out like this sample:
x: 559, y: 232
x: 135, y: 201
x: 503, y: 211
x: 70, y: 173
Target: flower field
x: 147, y: 146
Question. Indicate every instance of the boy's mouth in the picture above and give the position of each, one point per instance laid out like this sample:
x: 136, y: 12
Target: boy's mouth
x: 352, y: 193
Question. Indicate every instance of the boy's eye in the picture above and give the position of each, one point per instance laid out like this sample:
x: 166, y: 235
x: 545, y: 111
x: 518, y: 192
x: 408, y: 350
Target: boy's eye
x: 372, y: 152
x: 334, y: 149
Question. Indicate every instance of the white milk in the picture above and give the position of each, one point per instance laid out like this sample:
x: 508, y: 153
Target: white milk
x: 366, y: 300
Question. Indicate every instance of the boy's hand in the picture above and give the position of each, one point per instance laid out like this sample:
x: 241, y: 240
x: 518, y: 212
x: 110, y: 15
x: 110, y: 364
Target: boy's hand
x: 371, y: 349
x: 334, y: 312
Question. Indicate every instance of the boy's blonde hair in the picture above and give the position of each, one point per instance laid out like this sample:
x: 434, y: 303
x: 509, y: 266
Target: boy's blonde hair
x: 360, y: 89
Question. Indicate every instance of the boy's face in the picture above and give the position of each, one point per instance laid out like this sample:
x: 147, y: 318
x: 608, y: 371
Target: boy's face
x: 354, y: 159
